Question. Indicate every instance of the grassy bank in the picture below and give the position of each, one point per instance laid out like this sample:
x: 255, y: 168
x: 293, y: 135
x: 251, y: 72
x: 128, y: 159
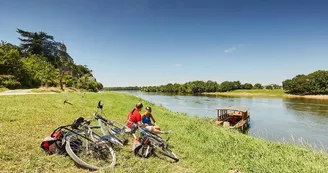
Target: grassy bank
x: 265, y: 93
x: 251, y: 93
x: 26, y: 119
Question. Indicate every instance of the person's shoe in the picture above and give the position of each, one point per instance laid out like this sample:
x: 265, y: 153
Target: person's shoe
x: 167, y: 132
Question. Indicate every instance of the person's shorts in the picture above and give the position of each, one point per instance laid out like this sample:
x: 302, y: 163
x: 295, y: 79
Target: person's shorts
x: 149, y: 128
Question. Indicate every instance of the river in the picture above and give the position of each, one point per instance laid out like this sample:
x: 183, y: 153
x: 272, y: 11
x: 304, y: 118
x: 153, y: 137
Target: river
x: 276, y: 119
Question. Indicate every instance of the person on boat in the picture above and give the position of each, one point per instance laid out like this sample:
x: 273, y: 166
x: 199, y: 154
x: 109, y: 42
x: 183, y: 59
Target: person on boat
x: 146, y: 119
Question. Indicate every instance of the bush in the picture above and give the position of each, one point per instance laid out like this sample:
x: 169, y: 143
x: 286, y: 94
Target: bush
x: 100, y: 86
x: 6, y: 77
x: 92, y: 86
x: 69, y: 83
x: 258, y: 86
x: 78, y: 85
x: 11, y: 84
x: 247, y: 86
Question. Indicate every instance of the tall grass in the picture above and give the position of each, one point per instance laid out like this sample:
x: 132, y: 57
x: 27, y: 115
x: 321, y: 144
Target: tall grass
x: 202, y: 147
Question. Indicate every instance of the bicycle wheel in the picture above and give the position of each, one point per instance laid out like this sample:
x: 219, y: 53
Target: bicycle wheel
x: 89, y: 154
x: 160, y: 148
x: 119, y: 137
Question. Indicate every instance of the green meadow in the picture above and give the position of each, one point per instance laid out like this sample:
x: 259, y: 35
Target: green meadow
x: 201, y: 146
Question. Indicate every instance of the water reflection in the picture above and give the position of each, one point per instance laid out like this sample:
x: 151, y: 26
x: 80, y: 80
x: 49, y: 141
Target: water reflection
x: 315, y: 107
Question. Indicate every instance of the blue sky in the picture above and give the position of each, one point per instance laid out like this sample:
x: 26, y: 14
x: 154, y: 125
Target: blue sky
x: 137, y: 42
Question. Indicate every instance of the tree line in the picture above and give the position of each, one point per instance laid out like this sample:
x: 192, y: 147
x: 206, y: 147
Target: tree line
x: 314, y: 83
x: 39, y: 60
x: 196, y: 87
x: 135, y: 88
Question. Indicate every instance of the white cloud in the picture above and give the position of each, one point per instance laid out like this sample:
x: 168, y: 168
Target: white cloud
x: 178, y: 65
x: 230, y: 50
x: 234, y: 48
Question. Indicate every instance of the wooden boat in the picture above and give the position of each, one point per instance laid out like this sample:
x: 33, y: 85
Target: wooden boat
x: 233, y: 117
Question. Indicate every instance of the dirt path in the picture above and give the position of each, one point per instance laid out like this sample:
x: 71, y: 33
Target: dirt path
x: 22, y: 92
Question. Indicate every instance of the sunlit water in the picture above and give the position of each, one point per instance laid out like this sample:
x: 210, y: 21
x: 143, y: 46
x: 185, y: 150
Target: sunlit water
x: 290, y: 120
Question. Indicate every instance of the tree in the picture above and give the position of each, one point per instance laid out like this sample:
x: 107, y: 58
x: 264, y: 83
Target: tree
x: 34, y: 42
x: 236, y: 85
x: 226, y: 86
x: 247, y: 86
x: 40, y: 70
x: 258, y: 86
x: 269, y: 87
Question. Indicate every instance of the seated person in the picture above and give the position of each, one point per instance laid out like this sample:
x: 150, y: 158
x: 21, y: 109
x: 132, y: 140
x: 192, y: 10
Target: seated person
x: 146, y: 120
x: 134, y: 117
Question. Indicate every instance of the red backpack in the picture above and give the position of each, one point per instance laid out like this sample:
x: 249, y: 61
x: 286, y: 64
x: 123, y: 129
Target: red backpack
x: 52, y: 144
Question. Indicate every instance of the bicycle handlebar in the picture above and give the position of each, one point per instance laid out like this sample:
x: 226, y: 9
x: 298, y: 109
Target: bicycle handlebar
x: 66, y: 102
x: 100, y: 106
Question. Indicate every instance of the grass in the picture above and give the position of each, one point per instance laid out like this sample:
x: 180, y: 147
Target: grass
x: 252, y: 93
x: 202, y: 147
x: 3, y: 89
x: 52, y: 89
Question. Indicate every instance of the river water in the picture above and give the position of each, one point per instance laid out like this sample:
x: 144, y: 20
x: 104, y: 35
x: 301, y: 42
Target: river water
x: 276, y: 119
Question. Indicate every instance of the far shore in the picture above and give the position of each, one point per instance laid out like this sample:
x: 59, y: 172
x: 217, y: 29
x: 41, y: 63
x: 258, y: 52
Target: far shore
x: 265, y: 94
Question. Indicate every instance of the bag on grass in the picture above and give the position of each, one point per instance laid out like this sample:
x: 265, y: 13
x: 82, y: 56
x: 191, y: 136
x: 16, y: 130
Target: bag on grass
x: 142, y: 148
x: 52, y: 144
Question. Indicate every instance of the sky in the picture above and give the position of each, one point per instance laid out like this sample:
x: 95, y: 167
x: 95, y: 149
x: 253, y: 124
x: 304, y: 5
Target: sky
x: 142, y: 43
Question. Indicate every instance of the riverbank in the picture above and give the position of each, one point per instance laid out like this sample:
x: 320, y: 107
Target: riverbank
x: 201, y: 146
x: 264, y: 93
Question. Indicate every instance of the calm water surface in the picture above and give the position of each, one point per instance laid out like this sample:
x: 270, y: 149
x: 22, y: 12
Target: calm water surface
x: 276, y: 119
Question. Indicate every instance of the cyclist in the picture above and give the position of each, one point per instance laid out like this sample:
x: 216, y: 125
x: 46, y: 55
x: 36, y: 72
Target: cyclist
x: 146, y: 119
x: 134, y: 117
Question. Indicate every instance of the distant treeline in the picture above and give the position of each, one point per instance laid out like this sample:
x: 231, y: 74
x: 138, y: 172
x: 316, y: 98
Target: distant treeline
x: 121, y: 88
x: 195, y: 87
x: 313, y: 83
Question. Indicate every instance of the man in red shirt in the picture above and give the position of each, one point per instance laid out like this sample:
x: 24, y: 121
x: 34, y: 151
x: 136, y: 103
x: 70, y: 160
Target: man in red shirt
x: 135, y: 117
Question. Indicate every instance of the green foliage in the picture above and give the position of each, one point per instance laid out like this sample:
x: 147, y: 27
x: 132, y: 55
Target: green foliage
x: 92, y: 86
x: 196, y: 87
x: 269, y: 87
x: 247, y: 86
x: 193, y: 87
x: 313, y: 83
x: 100, y: 86
x: 11, y: 84
x: 121, y: 88
x: 226, y: 86
x: 258, y: 86
x: 41, y: 61
x: 6, y: 77
x: 10, y: 59
x: 42, y: 72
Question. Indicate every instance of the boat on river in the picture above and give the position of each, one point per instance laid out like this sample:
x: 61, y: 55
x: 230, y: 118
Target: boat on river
x: 233, y: 117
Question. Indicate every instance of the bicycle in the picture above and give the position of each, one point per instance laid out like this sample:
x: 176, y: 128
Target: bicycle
x: 107, y: 127
x: 86, y: 148
x: 147, y: 138
x: 156, y: 142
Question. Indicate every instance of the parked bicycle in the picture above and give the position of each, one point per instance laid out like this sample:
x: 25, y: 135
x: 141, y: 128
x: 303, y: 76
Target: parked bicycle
x: 87, y: 148
x: 149, y: 141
